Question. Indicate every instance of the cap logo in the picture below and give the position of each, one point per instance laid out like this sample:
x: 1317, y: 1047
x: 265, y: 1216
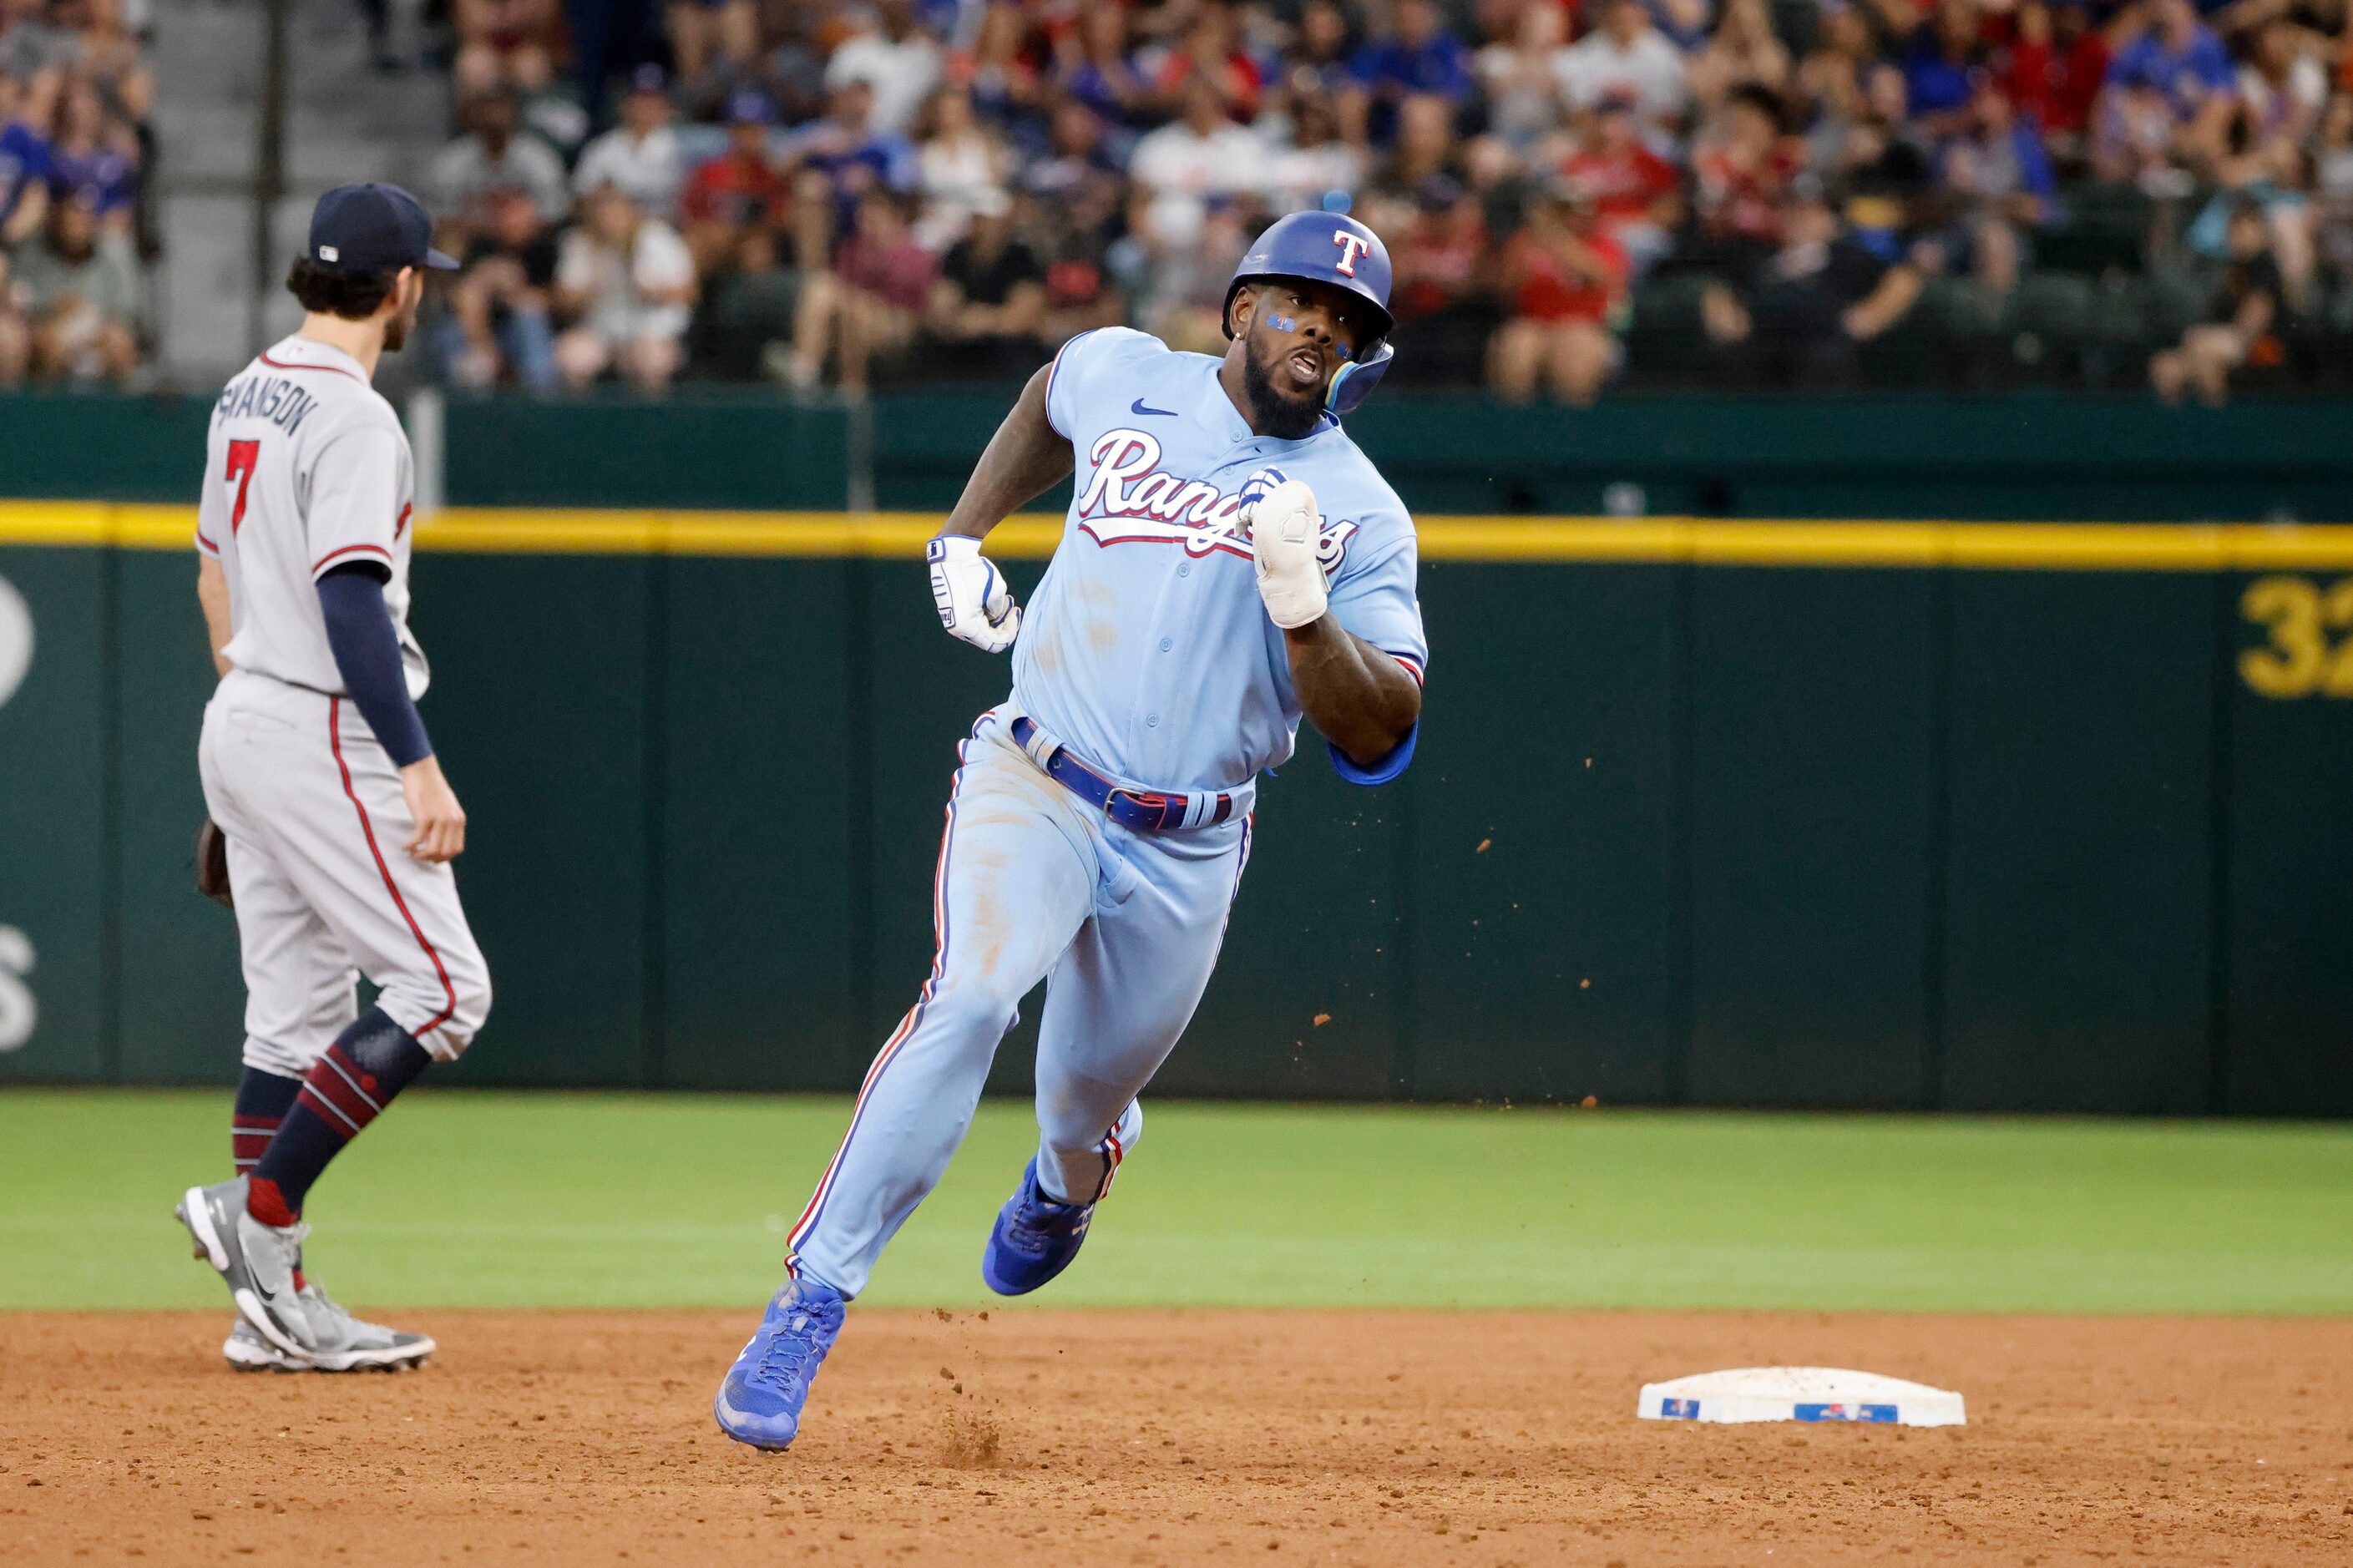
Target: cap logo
x: 1351, y: 245
x: 329, y: 253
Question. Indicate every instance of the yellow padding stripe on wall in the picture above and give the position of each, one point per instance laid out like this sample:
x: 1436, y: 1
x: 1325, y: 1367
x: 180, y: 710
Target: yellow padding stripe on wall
x: 1999, y: 546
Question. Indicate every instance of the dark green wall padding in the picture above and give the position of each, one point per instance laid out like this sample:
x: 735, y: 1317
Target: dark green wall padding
x: 2031, y: 457
x: 1969, y: 839
x: 1976, y: 839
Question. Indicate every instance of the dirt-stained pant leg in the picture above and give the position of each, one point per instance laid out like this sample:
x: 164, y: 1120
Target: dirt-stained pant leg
x: 1117, y: 1003
x: 315, y: 818
x: 1017, y: 880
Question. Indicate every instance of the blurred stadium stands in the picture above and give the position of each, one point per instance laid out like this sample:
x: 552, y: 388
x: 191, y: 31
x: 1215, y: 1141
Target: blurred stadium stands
x: 1967, y: 195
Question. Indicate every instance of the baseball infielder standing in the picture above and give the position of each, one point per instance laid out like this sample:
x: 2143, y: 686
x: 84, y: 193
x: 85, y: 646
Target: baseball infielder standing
x: 1230, y: 561
x: 338, y: 824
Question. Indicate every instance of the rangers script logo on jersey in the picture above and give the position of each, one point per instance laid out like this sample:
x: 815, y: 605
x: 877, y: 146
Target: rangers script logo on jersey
x: 1129, y: 501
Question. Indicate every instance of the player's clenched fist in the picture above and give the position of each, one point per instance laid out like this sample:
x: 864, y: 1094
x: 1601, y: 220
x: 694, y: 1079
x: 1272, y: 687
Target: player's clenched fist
x: 973, y: 601
x: 1284, y: 528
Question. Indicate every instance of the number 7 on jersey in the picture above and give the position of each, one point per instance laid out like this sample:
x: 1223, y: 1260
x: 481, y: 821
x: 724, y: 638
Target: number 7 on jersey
x: 244, y: 457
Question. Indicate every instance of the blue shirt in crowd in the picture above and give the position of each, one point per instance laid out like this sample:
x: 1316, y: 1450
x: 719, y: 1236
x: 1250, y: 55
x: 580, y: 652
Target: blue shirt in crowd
x: 1934, y: 84
x: 1440, y: 65
x: 2187, y: 77
x: 24, y: 158
x: 102, y: 178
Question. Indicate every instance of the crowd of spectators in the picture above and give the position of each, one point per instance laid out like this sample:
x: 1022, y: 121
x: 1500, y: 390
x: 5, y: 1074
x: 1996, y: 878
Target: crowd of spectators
x: 74, y: 96
x: 827, y: 193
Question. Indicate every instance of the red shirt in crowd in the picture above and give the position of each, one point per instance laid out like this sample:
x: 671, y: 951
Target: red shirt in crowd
x: 1625, y: 182
x: 2056, y: 83
x: 1741, y: 197
x: 1438, y: 261
x: 730, y: 189
x: 1239, y: 79
x: 1548, y: 290
x: 898, y: 272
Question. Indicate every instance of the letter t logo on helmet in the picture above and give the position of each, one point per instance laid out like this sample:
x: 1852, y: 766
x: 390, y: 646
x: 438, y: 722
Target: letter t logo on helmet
x: 1351, y: 245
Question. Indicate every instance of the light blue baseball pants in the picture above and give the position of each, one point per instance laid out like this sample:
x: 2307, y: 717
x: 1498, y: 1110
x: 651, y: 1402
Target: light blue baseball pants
x: 1033, y: 883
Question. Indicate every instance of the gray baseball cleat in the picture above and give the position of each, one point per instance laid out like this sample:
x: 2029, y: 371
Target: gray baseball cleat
x: 257, y: 1261
x: 248, y: 1351
x: 344, y: 1343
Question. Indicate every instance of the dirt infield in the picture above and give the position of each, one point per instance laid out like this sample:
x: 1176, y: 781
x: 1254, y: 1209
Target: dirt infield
x: 1171, y: 1437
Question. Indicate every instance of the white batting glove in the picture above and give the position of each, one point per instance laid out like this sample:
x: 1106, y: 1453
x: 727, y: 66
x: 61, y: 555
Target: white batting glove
x: 973, y: 602
x: 1284, y: 528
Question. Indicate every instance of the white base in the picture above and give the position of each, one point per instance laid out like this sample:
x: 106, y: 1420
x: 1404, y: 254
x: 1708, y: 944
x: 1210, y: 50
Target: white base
x: 1800, y: 1394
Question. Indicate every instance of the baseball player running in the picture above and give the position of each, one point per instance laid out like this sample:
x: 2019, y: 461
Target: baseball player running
x: 340, y: 827
x: 1230, y: 561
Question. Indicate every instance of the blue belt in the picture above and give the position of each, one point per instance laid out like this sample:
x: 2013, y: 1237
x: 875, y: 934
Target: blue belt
x: 1142, y: 810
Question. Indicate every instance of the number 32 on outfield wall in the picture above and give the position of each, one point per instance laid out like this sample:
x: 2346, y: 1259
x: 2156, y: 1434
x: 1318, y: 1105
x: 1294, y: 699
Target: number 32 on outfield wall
x: 2302, y: 659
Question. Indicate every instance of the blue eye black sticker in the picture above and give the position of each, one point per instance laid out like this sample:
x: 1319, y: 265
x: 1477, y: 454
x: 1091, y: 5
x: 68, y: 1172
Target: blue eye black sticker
x: 1291, y: 324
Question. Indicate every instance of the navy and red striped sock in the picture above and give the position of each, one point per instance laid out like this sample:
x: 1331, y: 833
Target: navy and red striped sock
x: 263, y: 1099
x: 348, y: 1088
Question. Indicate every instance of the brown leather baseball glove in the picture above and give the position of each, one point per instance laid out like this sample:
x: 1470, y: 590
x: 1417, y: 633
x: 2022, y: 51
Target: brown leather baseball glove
x: 212, y: 865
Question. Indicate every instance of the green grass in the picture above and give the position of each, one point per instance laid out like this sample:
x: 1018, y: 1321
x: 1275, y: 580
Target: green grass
x: 553, y: 1199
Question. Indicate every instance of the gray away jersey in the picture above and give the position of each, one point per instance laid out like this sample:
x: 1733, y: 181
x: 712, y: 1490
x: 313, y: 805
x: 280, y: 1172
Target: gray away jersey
x: 306, y: 469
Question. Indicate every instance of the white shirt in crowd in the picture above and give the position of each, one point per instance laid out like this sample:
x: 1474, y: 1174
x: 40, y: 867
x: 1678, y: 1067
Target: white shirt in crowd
x: 957, y: 178
x: 1297, y: 178
x: 1522, y: 91
x: 1651, y: 68
x: 306, y: 470
x: 617, y: 283
x: 466, y: 169
x: 650, y: 171
x: 902, y: 74
x: 2305, y: 89
x: 1183, y: 171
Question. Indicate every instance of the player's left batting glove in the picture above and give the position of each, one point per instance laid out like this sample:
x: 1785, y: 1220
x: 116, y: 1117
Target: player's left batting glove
x: 1284, y: 528
x: 973, y: 601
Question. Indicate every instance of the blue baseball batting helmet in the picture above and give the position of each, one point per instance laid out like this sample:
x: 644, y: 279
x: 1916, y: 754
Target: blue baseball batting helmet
x: 1327, y: 247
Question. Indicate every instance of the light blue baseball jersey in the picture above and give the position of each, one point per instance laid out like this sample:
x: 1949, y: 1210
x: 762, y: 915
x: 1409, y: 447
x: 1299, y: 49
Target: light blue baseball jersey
x: 1147, y: 648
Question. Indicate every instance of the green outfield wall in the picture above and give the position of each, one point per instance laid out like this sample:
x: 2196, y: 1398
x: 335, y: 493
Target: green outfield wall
x: 1762, y: 814
x: 1875, y: 813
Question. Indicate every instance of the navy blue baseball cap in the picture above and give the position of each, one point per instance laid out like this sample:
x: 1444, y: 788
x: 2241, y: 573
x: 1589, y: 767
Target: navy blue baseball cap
x: 372, y: 228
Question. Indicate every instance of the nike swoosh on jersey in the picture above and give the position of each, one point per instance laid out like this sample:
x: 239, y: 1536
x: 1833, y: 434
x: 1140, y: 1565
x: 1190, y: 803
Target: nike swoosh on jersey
x: 1137, y: 407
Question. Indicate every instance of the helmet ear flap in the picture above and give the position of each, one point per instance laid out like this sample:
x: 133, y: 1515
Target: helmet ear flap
x: 1354, y: 382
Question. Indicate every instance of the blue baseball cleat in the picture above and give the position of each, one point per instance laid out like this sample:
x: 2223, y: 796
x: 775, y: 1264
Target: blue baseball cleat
x: 1034, y: 1239
x: 760, y: 1400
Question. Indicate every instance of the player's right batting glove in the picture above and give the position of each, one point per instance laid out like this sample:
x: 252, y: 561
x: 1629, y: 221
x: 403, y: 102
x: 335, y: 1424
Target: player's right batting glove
x: 1284, y: 529
x: 973, y: 601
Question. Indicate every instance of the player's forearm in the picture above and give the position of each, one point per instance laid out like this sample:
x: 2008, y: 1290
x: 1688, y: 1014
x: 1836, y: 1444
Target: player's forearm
x: 1358, y: 698
x: 212, y: 592
x: 1024, y: 460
